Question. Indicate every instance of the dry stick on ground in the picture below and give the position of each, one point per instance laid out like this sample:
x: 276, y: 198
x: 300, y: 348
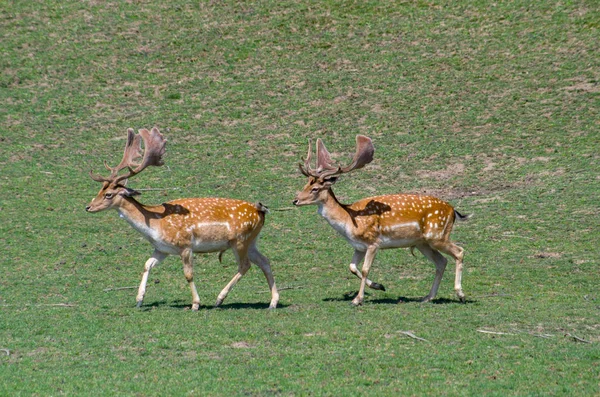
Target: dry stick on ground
x: 282, y: 289
x: 578, y: 339
x: 45, y: 304
x: 296, y: 287
x: 543, y: 335
x: 118, y: 288
x: 410, y: 334
x: 575, y: 338
x: 517, y: 236
x: 503, y: 295
x: 157, y: 189
x: 483, y: 331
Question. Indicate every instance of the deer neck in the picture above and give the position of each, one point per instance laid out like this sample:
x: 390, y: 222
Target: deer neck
x: 141, y: 217
x: 334, y: 212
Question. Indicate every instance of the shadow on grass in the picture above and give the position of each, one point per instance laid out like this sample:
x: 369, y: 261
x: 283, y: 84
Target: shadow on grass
x: 181, y: 304
x: 437, y: 301
x: 348, y: 296
x: 241, y: 305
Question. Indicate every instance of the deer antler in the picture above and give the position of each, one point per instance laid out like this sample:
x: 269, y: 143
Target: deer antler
x: 363, y: 155
x: 325, y: 166
x: 306, y: 169
x: 154, y: 149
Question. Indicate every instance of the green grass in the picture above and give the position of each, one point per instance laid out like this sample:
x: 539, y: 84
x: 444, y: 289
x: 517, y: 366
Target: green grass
x: 492, y: 106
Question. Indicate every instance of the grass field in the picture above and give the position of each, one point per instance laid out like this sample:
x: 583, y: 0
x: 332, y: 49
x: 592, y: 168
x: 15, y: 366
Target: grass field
x: 494, y: 107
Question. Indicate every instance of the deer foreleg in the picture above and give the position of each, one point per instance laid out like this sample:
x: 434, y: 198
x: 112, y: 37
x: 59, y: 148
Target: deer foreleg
x: 356, y: 259
x: 156, y: 258
x: 369, y: 257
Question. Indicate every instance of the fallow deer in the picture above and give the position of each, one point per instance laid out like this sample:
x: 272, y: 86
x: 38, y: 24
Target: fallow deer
x: 382, y: 222
x: 184, y: 226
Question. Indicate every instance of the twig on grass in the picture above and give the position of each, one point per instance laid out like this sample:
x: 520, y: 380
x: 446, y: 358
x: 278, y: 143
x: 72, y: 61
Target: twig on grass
x: 575, y: 338
x: 5, y: 351
x: 283, y: 209
x: 410, y: 334
x: 578, y: 339
x: 283, y: 289
x: 517, y: 236
x: 152, y: 189
x: 118, y: 288
x: 496, y: 294
x: 543, y: 335
x: 44, y: 304
x: 483, y: 331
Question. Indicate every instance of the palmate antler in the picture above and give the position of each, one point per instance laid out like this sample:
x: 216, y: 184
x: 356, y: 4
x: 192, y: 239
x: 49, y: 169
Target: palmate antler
x: 154, y: 149
x: 325, y: 166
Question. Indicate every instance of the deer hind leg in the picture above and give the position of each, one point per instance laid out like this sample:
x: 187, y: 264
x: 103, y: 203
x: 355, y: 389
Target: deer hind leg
x: 457, y: 253
x: 263, y: 262
x: 241, y: 257
x: 356, y: 259
x: 369, y: 258
x: 188, y: 271
x: 440, y: 265
x: 156, y: 258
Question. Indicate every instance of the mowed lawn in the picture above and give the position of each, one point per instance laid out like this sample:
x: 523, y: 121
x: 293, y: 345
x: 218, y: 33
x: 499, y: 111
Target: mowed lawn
x: 491, y: 106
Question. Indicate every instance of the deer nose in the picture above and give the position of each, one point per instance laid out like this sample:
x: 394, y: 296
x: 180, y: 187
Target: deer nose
x: 87, y: 208
x: 295, y: 202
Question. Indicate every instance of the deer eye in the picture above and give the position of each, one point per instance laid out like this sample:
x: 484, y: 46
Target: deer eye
x: 108, y: 196
x: 314, y: 190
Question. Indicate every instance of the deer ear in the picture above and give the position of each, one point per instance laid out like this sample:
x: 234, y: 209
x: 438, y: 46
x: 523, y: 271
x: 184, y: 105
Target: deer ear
x: 126, y: 192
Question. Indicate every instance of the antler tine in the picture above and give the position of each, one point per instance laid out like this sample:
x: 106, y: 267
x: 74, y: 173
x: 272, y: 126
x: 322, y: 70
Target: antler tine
x: 154, y: 148
x: 98, y: 178
x: 306, y: 169
x: 324, y: 162
x: 131, y: 153
x: 362, y: 156
x: 325, y: 166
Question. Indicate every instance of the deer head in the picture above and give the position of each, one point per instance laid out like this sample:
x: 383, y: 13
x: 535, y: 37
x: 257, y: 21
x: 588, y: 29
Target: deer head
x: 114, y: 187
x: 325, y: 175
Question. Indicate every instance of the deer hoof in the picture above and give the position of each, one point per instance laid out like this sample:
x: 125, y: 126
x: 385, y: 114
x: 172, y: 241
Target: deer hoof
x: 195, y: 306
x: 427, y: 299
x: 378, y: 286
x: 138, y: 304
x: 219, y: 302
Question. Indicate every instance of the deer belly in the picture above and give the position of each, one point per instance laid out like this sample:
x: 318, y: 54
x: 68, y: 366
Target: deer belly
x: 401, y: 235
x: 210, y: 237
x: 386, y: 242
x: 209, y: 246
x: 197, y: 245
